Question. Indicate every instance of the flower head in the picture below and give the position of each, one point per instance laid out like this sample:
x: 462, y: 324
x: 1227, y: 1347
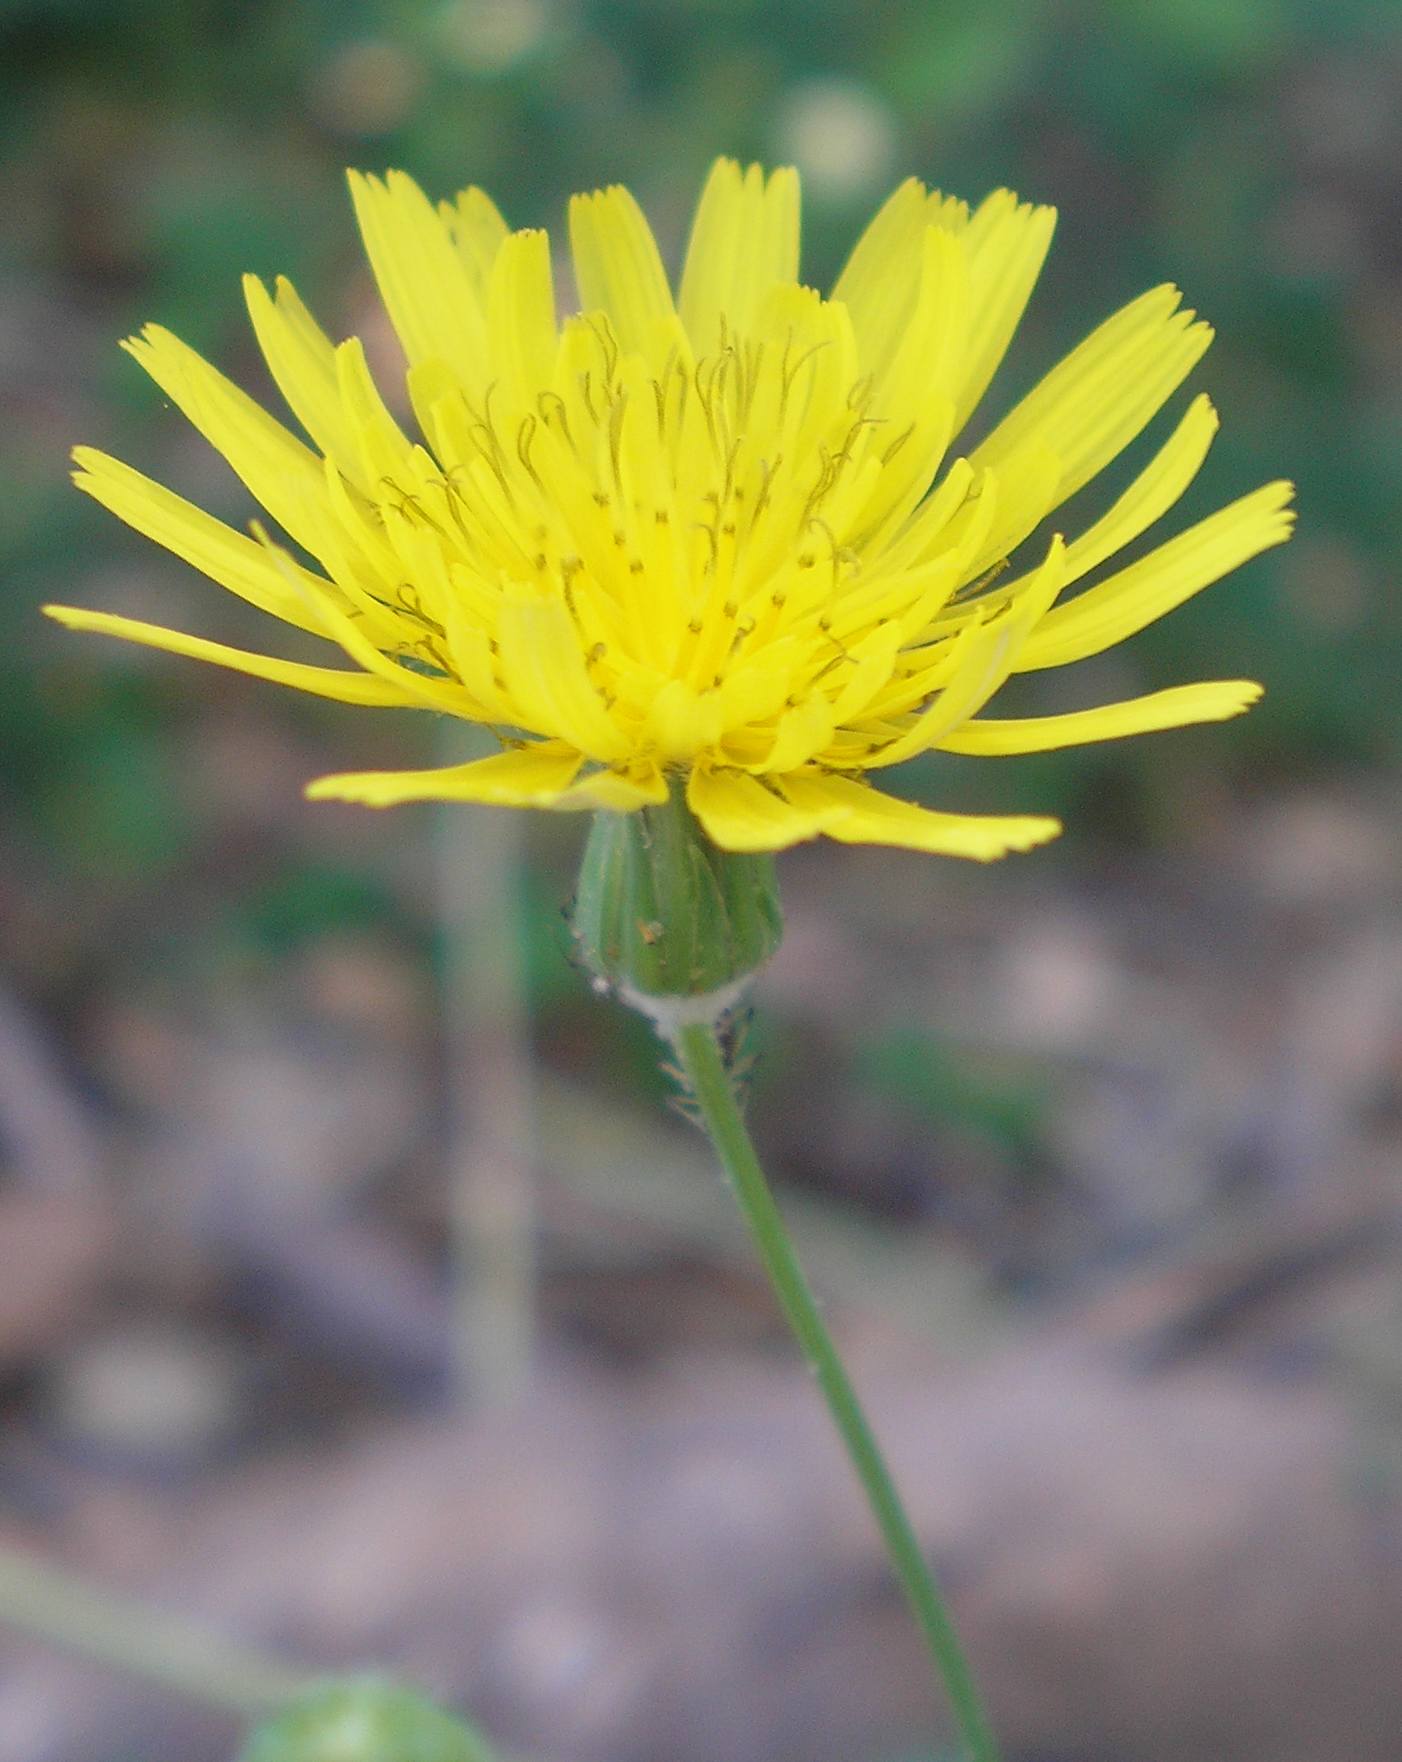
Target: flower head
x: 724, y: 532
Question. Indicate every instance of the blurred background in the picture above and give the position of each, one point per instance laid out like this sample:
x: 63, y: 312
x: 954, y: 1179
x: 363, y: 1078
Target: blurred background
x: 358, y: 1297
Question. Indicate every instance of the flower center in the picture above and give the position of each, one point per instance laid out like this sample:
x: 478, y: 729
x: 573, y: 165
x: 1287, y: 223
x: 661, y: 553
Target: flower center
x: 708, y: 522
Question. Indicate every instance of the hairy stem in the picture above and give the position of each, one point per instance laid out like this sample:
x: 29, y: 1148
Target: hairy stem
x: 699, y: 1054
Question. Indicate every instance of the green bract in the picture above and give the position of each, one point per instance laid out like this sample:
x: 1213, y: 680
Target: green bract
x: 662, y: 916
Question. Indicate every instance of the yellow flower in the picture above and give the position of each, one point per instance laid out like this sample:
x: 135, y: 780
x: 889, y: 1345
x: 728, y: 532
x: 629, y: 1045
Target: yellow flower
x: 722, y: 533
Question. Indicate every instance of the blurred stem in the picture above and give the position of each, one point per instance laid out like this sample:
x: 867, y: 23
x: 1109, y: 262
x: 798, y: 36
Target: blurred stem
x: 699, y: 1054
x: 490, y: 1140
x: 77, y: 1617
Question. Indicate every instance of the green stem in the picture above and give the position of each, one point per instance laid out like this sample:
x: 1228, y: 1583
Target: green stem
x: 700, y: 1057
x: 66, y: 1611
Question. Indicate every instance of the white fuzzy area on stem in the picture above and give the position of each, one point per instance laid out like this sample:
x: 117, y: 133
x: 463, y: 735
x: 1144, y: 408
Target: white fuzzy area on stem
x: 669, y: 1015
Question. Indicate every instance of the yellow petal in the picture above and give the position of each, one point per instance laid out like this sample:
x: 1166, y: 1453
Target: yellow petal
x: 744, y: 239
x: 909, y: 462
x: 381, y: 444
x: 870, y: 662
x: 739, y: 813
x: 980, y: 660
x: 1091, y: 406
x: 617, y: 266
x: 879, y: 259
x: 1124, y: 603
x: 972, y: 667
x: 1214, y: 700
x: 543, y: 667
x: 881, y: 279
x: 425, y: 284
x: 302, y: 361
x: 521, y: 315
x: 681, y: 721
x: 854, y: 813
x: 1006, y: 242
x: 348, y: 688
x: 528, y: 777
x: 359, y: 559
x: 926, y: 522
x: 478, y: 232
x: 228, y: 557
x: 923, y: 361
x: 616, y: 791
x: 1029, y: 487
x: 802, y: 732
x: 351, y: 632
x: 285, y: 476
x: 1162, y: 481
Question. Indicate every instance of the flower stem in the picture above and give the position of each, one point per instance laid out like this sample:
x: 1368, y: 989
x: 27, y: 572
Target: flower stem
x: 699, y: 1055
x: 52, y: 1605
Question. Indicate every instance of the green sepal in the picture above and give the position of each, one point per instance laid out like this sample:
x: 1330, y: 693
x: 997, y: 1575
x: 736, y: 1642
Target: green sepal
x: 662, y: 913
x: 363, y: 1719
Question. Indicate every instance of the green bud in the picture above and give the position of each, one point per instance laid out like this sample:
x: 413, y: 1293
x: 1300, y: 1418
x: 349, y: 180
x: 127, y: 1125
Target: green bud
x: 667, y: 920
x: 363, y: 1719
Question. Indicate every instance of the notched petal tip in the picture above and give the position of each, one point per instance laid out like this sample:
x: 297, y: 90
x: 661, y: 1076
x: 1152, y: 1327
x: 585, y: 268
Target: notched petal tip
x: 148, y: 338
x: 1013, y: 837
x: 1003, y: 202
x: 583, y: 200
x: 371, y: 180
x: 88, y: 464
x: 1036, y: 829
